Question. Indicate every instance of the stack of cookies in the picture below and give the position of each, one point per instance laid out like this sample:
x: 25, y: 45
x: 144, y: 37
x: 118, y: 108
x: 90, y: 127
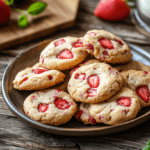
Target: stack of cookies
x: 93, y: 90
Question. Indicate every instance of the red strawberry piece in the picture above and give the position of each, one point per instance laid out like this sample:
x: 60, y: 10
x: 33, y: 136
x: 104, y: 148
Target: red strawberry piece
x: 59, y: 42
x: 89, y: 46
x: 39, y: 70
x: 81, y: 76
x: 4, y: 12
x: 74, y: 69
x: 125, y: 111
x: 145, y: 72
x: 143, y: 93
x: 112, y: 10
x: 94, y: 68
x: 42, y: 107
x: 79, y: 43
x: 106, y: 43
x: 124, y: 101
x: 92, y: 120
x: 58, y: 90
x: 101, y: 117
x: 105, y: 53
x: 119, y: 41
x: 91, y: 92
x: 62, y: 103
x: 79, y: 114
x: 65, y: 54
x: 25, y: 79
x: 93, y: 81
x: 33, y: 97
x: 92, y: 33
x: 50, y: 77
x: 27, y: 113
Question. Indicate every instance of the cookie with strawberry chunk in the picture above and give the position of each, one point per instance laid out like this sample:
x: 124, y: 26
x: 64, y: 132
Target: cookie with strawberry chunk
x: 120, y: 108
x: 51, y: 106
x: 84, y: 115
x: 88, y: 62
x: 107, y: 47
x: 63, y: 53
x: 139, y: 82
x: 37, y: 78
x: 133, y: 65
x: 94, y: 83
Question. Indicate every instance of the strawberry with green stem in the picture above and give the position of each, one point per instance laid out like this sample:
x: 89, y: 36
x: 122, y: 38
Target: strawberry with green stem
x: 33, y: 10
x: 112, y: 10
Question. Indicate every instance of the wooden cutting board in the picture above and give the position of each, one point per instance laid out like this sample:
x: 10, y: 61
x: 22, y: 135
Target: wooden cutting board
x: 59, y: 14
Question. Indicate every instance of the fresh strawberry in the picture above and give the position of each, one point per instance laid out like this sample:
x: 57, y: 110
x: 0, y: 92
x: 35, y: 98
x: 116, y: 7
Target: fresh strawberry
x: 91, y: 92
x: 59, y: 42
x: 4, y: 12
x: 42, y: 107
x: 39, y: 70
x: 79, y: 114
x: 106, y: 43
x: 92, y: 120
x: 89, y: 46
x: 62, y: 103
x: 79, y: 43
x: 143, y: 93
x: 124, y: 101
x: 92, y: 34
x: 73, y: 70
x: 81, y: 76
x: 112, y: 10
x: 93, y: 81
x: 65, y: 54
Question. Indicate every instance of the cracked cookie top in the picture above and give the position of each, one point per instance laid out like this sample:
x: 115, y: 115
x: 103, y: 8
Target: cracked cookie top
x: 120, y: 108
x: 139, y: 82
x: 37, y: 78
x: 51, y: 106
x: 63, y: 53
x: 94, y: 83
x: 107, y: 47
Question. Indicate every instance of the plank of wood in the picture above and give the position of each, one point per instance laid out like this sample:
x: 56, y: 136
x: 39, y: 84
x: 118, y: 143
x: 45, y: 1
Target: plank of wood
x: 57, y: 16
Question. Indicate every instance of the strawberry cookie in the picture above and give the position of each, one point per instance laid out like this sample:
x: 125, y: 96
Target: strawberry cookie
x: 52, y: 107
x: 88, y: 62
x: 64, y: 53
x: 120, y: 108
x: 139, y: 82
x: 94, y: 83
x: 107, y: 47
x: 37, y: 78
x: 135, y: 65
x: 84, y: 115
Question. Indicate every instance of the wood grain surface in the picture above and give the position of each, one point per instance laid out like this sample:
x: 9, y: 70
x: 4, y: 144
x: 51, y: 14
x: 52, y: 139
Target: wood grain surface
x: 59, y: 14
x: 16, y: 135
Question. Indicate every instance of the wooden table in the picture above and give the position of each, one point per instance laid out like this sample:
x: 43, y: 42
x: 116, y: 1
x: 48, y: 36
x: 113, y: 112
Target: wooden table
x: 14, y: 134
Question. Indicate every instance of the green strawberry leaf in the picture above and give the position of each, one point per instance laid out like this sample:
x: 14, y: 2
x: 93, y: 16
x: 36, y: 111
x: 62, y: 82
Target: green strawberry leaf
x: 148, y: 143
x: 37, y: 8
x: 146, y: 148
x: 9, y: 2
x: 23, y: 21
